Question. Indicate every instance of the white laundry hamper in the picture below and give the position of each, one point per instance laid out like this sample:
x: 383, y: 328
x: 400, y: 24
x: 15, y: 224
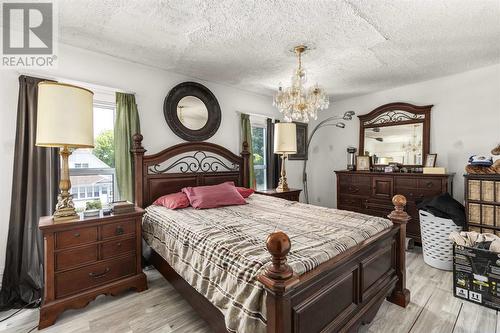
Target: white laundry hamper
x: 436, y: 246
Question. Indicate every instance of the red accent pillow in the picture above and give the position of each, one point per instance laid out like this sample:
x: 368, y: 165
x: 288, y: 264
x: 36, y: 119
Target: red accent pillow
x: 245, y: 192
x: 173, y: 201
x: 213, y: 196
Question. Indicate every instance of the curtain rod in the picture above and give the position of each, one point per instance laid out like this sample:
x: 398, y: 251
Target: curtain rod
x: 59, y: 78
x: 257, y: 115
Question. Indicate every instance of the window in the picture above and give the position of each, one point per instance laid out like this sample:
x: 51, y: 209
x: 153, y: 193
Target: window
x: 92, y: 171
x: 259, y: 154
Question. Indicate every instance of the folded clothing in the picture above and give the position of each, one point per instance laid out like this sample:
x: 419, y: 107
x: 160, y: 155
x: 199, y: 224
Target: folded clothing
x: 446, y: 207
x: 484, y: 241
x: 481, y: 160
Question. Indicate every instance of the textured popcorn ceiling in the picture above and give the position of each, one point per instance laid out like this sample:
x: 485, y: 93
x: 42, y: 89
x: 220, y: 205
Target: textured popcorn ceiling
x: 361, y: 46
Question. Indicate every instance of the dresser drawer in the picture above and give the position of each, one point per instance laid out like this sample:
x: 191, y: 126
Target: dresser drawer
x: 356, y: 189
x: 77, y: 280
x: 70, y: 238
x: 351, y: 202
x: 430, y: 184
x: 118, y: 229
x: 361, y: 180
x: 400, y: 182
x: 117, y: 247
x: 75, y: 257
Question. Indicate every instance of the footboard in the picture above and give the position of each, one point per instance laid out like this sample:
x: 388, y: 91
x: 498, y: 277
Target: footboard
x: 342, y: 293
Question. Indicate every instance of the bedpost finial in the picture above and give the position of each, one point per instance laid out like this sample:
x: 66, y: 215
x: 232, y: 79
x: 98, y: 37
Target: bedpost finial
x: 245, y: 148
x: 278, y: 244
x: 137, y: 143
x: 399, y: 200
x: 398, y: 215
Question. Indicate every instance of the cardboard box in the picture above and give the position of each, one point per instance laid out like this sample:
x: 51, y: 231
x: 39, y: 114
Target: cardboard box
x: 435, y: 170
x: 476, y: 276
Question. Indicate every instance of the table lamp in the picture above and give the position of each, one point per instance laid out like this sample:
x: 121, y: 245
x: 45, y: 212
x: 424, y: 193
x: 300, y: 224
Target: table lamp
x: 285, y: 142
x: 64, y: 120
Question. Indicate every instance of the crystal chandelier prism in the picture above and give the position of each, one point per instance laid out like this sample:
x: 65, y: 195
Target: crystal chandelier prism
x: 298, y: 103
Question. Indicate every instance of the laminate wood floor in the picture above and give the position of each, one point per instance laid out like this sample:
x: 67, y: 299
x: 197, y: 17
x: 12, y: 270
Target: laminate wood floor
x: 433, y: 308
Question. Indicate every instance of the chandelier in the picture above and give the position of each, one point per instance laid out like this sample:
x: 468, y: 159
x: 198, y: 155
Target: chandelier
x: 298, y: 103
x: 414, y: 147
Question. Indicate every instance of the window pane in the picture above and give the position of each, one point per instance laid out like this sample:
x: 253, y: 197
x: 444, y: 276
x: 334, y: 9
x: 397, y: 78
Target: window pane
x: 89, y: 185
x: 92, y: 170
x: 259, y: 156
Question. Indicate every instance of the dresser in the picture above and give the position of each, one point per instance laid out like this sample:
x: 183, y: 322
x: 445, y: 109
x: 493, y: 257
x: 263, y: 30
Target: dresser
x: 482, y: 202
x: 89, y: 257
x: 371, y: 193
x: 291, y: 195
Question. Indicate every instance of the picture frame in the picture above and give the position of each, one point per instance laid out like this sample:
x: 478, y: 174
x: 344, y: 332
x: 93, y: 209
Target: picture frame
x: 301, y: 130
x: 430, y: 160
x: 363, y: 163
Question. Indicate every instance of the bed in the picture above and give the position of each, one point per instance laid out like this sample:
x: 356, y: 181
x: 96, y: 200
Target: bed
x: 271, y: 265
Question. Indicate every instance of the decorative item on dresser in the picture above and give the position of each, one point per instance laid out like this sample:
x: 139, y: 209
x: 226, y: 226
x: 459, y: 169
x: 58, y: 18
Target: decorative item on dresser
x: 482, y: 202
x: 89, y: 257
x: 292, y: 194
x: 371, y: 192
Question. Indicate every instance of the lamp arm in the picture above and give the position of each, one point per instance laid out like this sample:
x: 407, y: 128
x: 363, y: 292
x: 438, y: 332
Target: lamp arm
x: 323, y: 123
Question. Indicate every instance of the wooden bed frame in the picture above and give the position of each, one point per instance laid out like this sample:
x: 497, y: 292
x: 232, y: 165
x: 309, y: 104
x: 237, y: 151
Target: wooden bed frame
x: 339, y: 295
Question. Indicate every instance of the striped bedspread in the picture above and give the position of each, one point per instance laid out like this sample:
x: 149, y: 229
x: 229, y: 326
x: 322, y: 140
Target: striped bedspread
x: 221, y: 251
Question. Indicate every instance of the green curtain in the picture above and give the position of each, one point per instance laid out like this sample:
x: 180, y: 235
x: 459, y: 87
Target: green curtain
x: 246, y: 135
x: 126, y: 125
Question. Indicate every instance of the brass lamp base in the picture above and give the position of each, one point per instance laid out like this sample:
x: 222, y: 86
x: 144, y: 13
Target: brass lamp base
x: 282, y: 184
x: 65, y: 208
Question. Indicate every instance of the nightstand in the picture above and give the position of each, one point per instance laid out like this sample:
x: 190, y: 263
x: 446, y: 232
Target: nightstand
x: 88, y: 257
x: 292, y: 195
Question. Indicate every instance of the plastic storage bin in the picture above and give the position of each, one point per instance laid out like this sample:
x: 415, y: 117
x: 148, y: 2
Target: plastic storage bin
x: 437, y: 248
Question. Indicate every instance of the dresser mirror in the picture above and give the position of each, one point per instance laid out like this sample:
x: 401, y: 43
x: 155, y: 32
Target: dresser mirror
x: 192, y: 112
x: 396, y: 133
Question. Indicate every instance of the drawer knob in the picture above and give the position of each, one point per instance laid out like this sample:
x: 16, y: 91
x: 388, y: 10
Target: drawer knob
x: 119, y: 244
x: 428, y: 184
x: 119, y: 230
x: 99, y: 275
x: 76, y: 234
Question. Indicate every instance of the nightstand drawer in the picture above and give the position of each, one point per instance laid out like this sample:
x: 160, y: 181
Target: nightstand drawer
x: 70, y: 238
x: 118, y: 229
x: 117, y: 247
x: 77, y: 280
x: 75, y: 257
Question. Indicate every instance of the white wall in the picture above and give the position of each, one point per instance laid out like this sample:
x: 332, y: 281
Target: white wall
x: 465, y: 120
x: 150, y: 85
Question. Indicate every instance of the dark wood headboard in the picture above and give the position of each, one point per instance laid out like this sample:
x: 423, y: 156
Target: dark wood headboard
x: 185, y: 164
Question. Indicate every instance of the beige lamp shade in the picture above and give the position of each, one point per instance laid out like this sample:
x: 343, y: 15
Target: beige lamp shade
x: 65, y: 116
x: 285, y: 138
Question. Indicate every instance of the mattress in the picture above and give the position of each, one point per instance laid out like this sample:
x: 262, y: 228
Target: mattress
x: 221, y: 251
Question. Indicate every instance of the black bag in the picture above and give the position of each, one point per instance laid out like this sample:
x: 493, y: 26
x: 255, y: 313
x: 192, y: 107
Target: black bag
x: 446, y: 207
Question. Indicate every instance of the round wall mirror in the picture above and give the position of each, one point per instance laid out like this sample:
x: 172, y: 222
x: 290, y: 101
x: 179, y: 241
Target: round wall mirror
x: 192, y: 111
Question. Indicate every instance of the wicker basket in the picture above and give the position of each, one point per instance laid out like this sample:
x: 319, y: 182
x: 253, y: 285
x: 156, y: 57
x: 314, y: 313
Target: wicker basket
x: 437, y: 248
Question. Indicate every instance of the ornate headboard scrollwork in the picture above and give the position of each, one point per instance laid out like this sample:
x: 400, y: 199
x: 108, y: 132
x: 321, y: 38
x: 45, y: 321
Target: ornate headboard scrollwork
x: 185, y: 164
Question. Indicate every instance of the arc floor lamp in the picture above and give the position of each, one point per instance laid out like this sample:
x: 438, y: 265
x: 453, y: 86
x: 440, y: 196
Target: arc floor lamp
x: 331, y: 121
